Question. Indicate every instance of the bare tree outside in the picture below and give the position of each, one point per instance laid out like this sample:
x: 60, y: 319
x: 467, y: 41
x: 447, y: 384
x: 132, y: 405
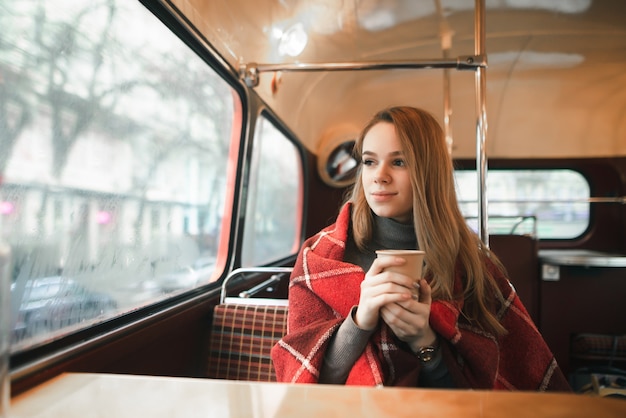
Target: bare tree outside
x: 112, y: 158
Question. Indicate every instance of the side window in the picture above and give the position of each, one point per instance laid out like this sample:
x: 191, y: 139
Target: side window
x: 114, y: 148
x: 274, y: 204
x: 550, y: 204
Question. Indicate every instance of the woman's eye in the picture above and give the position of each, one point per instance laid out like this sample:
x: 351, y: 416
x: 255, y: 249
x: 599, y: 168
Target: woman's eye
x: 368, y: 162
x: 399, y: 163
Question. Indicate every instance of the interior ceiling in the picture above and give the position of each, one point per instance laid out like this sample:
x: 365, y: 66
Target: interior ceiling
x: 556, y: 78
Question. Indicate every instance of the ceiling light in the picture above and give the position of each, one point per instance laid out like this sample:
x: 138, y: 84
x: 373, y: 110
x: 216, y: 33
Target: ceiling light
x: 293, y: 41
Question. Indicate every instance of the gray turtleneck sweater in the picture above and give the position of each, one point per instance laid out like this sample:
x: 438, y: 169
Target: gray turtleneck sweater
x: 349, y: 341
x: 388, y: 234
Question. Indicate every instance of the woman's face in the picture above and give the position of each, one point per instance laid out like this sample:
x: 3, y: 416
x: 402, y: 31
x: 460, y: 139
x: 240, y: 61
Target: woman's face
x: 385, y: 175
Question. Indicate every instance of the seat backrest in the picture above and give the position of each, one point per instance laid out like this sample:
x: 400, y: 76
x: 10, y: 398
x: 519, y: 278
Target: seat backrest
x: 242, y: 336
x: 520, y: 256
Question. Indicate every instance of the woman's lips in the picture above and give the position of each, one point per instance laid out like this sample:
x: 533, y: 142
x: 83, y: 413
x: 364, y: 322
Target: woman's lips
x: 382, y: 196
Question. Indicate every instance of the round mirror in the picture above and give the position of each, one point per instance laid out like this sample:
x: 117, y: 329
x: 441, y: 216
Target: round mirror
x: 338, y: 168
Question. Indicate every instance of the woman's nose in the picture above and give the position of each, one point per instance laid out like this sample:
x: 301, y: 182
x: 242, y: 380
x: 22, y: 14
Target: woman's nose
x: 381, y: 175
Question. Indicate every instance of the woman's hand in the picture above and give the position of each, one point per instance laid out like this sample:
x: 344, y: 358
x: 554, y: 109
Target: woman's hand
x: 381, y: 288
x: 409, y: 319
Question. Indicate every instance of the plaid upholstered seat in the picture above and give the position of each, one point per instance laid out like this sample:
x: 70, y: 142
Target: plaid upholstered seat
x: 244, y: 330
x: 599, y: 346
x: 242, y: 336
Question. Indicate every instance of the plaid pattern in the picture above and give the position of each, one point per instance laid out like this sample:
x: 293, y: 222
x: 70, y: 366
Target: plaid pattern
x: 323, y: 289
x: 241, y: 339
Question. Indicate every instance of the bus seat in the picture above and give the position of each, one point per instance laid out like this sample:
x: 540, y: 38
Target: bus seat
x: 242, y: 336
x: 602, y: 349
x: 520, y: 256
x: 598, y: 364
x: 244, y: 330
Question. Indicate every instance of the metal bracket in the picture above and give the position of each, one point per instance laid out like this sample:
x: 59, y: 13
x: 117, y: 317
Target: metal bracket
x: 249, y: 73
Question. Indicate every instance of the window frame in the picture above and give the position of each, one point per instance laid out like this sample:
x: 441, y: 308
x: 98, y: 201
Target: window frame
x: 578, y: 165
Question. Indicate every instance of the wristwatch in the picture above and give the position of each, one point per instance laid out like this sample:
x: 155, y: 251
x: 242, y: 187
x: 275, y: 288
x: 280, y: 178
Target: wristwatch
x: 426, y: 354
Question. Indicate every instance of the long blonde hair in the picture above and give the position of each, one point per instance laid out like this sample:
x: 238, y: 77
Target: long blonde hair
x: 441, y: 230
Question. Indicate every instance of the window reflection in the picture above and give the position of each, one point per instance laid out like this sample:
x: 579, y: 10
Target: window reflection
x: 114, y: 140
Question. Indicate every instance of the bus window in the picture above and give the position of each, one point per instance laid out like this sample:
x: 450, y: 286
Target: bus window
x: 113, y: 159
x: 550, y: 204
x: 274, y: 206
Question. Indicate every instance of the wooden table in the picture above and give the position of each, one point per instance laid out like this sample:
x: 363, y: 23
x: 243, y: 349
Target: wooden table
x: 108, y: 395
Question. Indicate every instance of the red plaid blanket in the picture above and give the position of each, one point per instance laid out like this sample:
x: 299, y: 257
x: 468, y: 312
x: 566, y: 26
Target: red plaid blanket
x: 323, y: 289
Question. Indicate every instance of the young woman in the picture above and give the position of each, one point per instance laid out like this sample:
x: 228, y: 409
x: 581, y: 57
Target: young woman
x: 352, y: 321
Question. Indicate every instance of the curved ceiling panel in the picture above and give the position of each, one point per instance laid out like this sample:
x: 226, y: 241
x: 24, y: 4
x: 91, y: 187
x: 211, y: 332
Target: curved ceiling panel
x: 556, y: 78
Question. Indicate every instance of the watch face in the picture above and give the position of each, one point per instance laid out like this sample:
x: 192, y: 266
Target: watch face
x: 426, y: 354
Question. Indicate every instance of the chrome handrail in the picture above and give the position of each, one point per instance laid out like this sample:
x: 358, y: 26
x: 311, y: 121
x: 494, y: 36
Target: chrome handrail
x: 250, y: 72
x: 244, y: 270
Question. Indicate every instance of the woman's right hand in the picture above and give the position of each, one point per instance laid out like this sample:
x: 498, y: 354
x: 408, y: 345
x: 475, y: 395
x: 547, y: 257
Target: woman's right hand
x: 379, y: 288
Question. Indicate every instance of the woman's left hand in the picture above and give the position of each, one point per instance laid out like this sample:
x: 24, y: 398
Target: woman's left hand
x: 409, y: 320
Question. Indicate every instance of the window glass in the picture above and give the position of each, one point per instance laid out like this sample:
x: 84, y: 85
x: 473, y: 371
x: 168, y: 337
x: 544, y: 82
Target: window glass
x: 550, y: 204
x: 273, y: 212
x: 114, y: 145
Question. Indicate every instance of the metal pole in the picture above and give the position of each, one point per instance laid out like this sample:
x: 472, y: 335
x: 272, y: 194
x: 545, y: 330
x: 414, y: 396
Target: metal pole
x: 445, y: 34
x: 481, y: 122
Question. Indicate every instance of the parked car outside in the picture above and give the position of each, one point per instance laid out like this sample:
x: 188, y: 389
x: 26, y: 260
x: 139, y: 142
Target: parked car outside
x: 48, y: 304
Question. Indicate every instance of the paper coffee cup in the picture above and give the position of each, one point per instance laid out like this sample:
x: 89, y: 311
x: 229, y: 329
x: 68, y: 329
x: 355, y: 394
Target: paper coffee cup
x: 414, y: 261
